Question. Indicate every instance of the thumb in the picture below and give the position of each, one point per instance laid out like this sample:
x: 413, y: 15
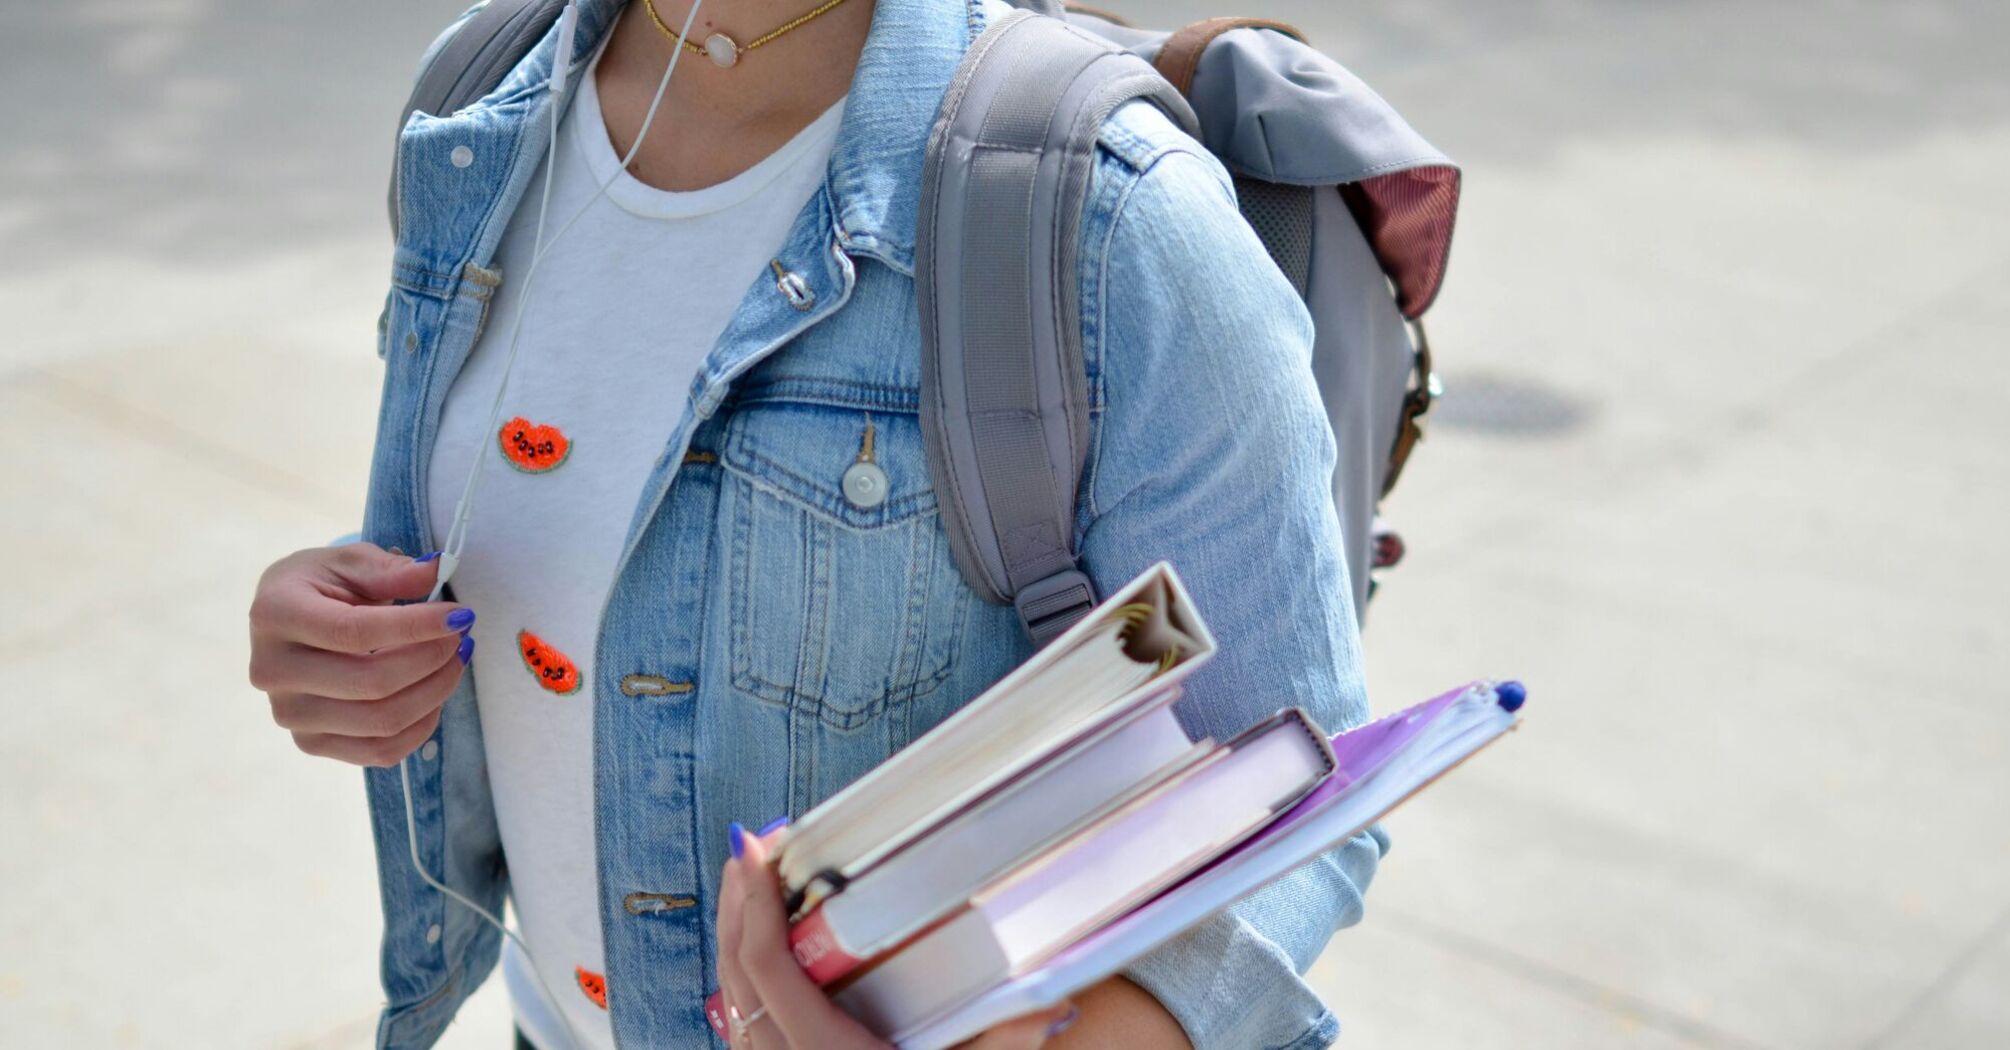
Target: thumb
x: 374, y: 574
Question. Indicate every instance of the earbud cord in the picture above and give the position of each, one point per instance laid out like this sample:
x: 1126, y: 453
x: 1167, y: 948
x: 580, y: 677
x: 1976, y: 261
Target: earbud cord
x: 412, y: 839
x: 457, y: 532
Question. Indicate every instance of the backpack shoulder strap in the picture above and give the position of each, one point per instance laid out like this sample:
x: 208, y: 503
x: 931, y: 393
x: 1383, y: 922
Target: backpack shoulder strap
x: 472, y: 57
x: 1004, y: 409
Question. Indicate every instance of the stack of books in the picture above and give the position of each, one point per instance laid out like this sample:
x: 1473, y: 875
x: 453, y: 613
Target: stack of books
x: 1063, y: 824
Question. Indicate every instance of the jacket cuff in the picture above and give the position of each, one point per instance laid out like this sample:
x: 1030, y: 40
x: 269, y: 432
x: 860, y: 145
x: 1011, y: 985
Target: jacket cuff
x: 1234, y: 982
x: 1232, y: 989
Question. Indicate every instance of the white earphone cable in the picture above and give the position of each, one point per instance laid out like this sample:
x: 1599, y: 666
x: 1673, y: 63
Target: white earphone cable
x: 457, y: 531
x: 412, y: 840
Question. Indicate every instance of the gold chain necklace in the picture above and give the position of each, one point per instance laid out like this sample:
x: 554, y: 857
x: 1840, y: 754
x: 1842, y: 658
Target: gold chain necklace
x: 724, y: 50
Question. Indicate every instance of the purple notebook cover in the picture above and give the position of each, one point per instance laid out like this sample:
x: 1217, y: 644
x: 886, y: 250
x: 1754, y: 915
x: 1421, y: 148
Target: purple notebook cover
x: 1358, y: 753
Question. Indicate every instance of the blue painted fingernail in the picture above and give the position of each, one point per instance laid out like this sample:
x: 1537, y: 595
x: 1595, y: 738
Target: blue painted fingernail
x: 1067, y: 1021
x: 771, y: 825
x: 426, y: 557
x: 736, y: 838
x: 466, y: 651
x: 461, y: 619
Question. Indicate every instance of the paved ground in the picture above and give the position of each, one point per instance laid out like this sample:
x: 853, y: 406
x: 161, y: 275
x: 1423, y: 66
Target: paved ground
x: 1725, y: 340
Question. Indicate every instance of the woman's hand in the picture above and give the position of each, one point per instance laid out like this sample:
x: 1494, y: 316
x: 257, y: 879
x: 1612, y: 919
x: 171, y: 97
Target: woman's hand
x: 760, y: 979
x: 354, y: 677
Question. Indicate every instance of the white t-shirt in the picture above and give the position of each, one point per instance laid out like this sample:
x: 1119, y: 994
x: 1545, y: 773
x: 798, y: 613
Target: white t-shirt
x: 623, y: 312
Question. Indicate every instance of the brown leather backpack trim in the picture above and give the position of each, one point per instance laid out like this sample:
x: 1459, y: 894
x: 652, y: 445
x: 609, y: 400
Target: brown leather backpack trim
x: 1416, y: 403
x: 1179, y: 56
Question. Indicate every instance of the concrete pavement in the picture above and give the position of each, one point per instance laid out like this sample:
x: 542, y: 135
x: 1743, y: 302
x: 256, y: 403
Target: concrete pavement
x: 1716, y: 475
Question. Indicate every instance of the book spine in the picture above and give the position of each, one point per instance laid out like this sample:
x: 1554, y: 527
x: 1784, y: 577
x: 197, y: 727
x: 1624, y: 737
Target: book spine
x: 818, y: 950
x: 715, y: 1014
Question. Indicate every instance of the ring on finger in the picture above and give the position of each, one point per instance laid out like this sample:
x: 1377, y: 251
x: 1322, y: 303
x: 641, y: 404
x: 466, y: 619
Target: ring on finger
x: 742, y: 1022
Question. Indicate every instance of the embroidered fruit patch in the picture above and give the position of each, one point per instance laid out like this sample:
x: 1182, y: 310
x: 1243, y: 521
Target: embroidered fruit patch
x: 533, y: 447
x: 554, y: 670
x: 593, y: 984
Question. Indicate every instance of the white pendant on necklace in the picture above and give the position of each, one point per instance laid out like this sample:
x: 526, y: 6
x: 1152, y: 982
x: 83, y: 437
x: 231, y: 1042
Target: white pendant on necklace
x: 722, y: 50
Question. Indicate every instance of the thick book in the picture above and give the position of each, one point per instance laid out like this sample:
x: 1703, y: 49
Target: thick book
x: 936, y: 874
x: 1377, y: 766
x: 1108, y: 868
x: 1140, y: 641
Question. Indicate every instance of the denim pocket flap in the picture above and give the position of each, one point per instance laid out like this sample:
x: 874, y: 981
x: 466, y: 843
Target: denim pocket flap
x: 862, y: 468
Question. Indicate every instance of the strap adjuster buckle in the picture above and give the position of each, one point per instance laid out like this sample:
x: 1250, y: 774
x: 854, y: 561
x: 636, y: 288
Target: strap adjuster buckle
x: 1050, y: 606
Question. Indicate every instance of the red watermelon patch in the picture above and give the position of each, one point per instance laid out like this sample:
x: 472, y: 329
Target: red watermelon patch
x: 593, y: 984
x: 533, y: 448
x: 554, y: 670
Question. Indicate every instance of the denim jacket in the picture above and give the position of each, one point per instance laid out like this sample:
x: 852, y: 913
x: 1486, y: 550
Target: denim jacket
x: 766, y: 640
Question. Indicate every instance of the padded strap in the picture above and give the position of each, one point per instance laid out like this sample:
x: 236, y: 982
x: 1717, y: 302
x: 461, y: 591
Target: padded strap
x: 1004, y: 404
x: 472, y: 59
x: 1179, y: 56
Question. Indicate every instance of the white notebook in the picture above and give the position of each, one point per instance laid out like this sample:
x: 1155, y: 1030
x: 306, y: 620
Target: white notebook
x: 1136, y: 643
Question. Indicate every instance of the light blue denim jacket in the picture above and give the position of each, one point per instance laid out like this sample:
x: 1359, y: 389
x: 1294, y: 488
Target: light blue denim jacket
x: 817, y: 637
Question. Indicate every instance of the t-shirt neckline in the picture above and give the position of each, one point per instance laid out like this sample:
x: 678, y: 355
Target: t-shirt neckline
x: 588, y: 132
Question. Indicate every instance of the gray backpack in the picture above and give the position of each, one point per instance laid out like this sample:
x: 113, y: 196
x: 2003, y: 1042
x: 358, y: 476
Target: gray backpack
x: 1353, y: 206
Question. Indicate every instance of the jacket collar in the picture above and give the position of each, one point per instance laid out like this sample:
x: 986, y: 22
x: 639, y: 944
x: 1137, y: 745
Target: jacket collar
x: 910, y: 56
x: 874, y: 179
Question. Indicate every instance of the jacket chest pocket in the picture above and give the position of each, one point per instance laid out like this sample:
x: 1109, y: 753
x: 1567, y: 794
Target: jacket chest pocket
x: 845, y: 602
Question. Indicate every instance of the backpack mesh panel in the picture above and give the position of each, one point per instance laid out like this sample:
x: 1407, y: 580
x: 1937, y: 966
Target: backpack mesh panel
x: 1282, y: 218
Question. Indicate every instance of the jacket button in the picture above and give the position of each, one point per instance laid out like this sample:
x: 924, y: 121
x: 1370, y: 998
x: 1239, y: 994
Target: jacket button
x: 461, y: 157
x: 865, y: 485
x: 433, y: 934
x: 653, y: 685
x: 796, y: 290
x: 792, y: 286
x: 430, y: 751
